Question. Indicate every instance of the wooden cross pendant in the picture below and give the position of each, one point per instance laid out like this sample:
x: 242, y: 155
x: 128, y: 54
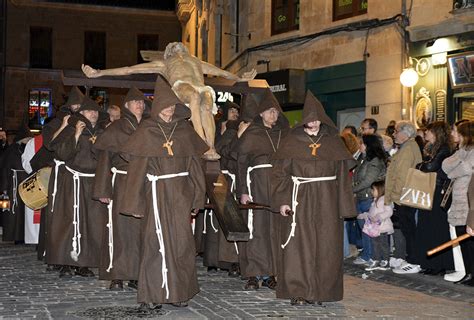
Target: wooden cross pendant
x: 93, y: 139
x: 314, y: 148
x: 168, y: 145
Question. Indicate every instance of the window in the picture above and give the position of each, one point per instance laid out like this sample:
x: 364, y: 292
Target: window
x: 94, y: 49
x: 343, y: 9
x: 39, y: 108
x: 285, y: 16
x: 146, y: 42
x: 40, y: 47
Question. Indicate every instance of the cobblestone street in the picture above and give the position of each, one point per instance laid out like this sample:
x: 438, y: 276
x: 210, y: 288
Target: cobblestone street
x: 27, y: 290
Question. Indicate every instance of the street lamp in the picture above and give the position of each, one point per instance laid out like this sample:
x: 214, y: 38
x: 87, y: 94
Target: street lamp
x: 409, y: 77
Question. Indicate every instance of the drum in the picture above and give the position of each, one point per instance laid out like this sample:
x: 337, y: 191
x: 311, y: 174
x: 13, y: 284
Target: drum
x: 34, y: 189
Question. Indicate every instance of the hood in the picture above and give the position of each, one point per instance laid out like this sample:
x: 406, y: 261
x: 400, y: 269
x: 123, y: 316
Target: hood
x: 88, y: 104
x: 164, y: 98
x: 313, y: 111
x: 248, y: 108
x: 225, y: 109
x: 266, y: 101
x: 75, y: 97
x: 135, y: 94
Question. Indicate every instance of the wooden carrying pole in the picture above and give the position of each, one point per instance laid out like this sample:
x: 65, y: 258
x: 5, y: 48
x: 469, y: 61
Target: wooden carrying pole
x: 448, y: 244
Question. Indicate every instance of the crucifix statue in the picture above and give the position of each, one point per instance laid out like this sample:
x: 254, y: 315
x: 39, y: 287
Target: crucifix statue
x: 185, y: 73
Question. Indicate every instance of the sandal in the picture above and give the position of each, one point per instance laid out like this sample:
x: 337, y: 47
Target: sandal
x: 252, y: 284
x: 270, y: 283
x: 297, y: 301
x: 84, y: 272
x: 180, y: 304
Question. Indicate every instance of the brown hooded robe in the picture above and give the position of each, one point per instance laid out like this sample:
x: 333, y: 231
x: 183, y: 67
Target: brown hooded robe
x: 253, y: 148
x: 126, y: 229
x: 11, y: 172
x: 176, y: 197
x: 310, y: 266
x: 92, y: 214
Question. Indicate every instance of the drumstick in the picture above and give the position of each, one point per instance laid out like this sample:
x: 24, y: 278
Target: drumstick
x: 448, y: 244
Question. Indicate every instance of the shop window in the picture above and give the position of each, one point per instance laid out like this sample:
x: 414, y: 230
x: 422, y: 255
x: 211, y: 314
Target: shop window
x: 39, y: 107
x: 94, y: 49
x: 146, y: 42
x: 343, y: 9
x: 41, y: 47
x: 285, y: 16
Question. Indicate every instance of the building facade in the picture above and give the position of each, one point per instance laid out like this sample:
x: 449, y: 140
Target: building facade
x: 350, y: 53
x: 45, y: 38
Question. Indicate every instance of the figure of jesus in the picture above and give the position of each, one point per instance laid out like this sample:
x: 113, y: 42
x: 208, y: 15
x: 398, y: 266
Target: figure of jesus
x: 185, y: 73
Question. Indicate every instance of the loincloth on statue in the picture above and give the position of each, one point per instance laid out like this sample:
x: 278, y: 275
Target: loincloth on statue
x: 199, y: 89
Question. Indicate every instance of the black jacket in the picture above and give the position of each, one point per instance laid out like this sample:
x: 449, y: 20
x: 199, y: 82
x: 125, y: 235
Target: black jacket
x: 433, y: 164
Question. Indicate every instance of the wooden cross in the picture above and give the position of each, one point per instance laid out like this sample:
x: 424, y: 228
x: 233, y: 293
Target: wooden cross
x: 168, y: 145
x: 314, y: 147
x: 92, y: 139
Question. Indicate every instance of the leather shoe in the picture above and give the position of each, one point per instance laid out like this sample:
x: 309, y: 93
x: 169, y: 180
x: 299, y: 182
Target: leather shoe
x: 116, y: 285
x: 181, y: 304
x: 432, y: 272
x: 84, y: 272
x: 65, y: 272
x: 467, y: 278
x: 252, y: 284
x: 211, y: 269
x: 133, y: 284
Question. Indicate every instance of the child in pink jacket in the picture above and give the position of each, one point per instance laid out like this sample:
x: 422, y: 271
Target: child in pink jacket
x: 378, y: 225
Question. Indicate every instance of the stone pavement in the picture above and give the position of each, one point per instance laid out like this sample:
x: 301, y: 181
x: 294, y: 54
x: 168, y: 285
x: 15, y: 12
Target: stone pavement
x: 28, y: 291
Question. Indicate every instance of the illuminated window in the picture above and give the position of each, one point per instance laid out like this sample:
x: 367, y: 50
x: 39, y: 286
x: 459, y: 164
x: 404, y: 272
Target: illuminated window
x: 285, y: 16
x: 343, y: 9
x: 40, y: 107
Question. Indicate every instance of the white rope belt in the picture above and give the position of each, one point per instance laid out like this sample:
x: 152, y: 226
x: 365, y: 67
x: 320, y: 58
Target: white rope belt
x: 14, y: 188
x: 232, y: 190
x: 249, y: 182
x: 159, y: 231
x: 55, y: 185
x: 210, y: 213
x: 76, y: 239
x: 110, y: 222
x: 232, y: 177
x: 297, y: 181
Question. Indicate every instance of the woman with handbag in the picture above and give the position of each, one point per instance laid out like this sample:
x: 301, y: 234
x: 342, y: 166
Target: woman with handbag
x: 371, y: 169
x: 432, y: 228
x: 459, y: 167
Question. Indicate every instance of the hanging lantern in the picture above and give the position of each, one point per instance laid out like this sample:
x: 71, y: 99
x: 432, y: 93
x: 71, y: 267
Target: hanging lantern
x: 409, y: 77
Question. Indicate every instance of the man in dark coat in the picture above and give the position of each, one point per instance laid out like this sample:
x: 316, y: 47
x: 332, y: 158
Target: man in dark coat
x: 121, y: 242
x: 253, y: 152
x: 12, y: 173
x: 311, y: 178
x: 218, y: 252
x: 167, y: 184
x: 45, y: 157
x: 74, y: 215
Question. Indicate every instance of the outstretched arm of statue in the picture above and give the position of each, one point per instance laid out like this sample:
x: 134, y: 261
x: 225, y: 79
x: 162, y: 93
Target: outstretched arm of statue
x: 210, y: 69
x: 149, y: 67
